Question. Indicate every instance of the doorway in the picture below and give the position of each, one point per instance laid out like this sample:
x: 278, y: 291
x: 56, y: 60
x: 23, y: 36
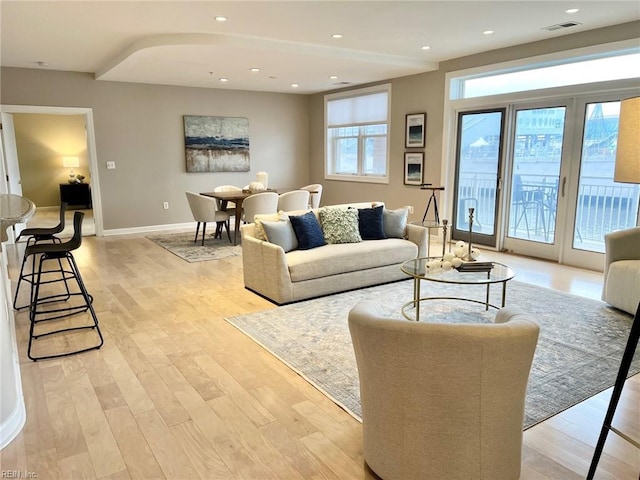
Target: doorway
x: 15, y: 171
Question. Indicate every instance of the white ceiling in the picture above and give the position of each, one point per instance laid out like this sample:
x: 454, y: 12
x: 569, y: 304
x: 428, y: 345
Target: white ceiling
x: 180, y: 42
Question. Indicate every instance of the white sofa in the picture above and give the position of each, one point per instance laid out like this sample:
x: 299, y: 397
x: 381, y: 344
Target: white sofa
x: 622, y: 269
x: 302, y: 274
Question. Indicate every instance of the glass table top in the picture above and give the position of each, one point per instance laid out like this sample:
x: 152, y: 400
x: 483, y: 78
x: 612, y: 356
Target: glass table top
x: 416, y: 268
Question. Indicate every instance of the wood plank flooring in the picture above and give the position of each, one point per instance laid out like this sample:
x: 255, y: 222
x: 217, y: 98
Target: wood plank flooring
x: 177, y: 392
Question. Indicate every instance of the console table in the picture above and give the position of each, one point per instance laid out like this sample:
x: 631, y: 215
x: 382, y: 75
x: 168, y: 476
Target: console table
x: 75, y: 194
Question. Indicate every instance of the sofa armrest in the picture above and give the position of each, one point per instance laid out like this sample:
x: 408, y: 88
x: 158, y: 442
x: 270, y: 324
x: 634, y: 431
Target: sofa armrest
x: 418, y: 235
x: 265, y: 267
x: 621, y: 245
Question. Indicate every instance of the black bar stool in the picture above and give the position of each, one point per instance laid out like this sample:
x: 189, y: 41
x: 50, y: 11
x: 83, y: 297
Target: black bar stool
x: 47, y: 308
x: 37, y: 235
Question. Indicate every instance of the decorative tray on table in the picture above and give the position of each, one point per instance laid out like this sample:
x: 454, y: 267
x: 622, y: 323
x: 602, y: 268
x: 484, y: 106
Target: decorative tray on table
x: 475, y: 267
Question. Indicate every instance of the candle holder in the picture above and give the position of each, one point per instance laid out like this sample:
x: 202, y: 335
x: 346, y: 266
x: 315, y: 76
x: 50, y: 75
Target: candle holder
x: 445, y: 224
x: 469, y: 257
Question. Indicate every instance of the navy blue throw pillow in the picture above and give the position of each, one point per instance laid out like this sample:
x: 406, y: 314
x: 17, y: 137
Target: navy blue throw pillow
x: 308, y: 231
x: 370, y: 223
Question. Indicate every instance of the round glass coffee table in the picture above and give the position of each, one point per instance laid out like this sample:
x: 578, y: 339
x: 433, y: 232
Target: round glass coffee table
x: 416, y: 269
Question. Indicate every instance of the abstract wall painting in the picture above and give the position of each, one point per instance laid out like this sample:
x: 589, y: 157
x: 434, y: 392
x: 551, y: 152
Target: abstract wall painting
x: 216, y: 144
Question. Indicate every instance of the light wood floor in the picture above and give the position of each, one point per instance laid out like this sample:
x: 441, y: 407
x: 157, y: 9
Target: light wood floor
x: 176, y: 392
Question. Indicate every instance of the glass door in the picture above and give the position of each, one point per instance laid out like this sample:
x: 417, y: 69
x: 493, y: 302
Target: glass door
x: 535, y: 180
x: 478, y: 164
x: 600, y: 205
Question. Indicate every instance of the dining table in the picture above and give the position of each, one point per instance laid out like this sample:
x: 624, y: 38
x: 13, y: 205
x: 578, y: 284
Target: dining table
x: 236, y: 196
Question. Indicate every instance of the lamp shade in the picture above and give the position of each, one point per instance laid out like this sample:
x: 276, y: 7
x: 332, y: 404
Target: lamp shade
x: 71, y: 162
x: 628, y: 149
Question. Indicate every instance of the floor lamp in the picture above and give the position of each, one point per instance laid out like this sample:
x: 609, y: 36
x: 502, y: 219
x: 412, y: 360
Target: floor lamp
x: 627, y: 171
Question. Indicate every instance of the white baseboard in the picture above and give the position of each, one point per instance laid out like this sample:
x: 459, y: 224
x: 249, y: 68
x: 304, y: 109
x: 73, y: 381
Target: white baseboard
x: 148, y: 229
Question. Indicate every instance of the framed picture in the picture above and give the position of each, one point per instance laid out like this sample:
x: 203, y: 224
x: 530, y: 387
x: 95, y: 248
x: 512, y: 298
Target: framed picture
x: 416, y: 124
x: 216, y: 144
x: 413, y: 163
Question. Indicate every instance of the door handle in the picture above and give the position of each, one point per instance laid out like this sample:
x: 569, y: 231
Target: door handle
x: 564, y: 184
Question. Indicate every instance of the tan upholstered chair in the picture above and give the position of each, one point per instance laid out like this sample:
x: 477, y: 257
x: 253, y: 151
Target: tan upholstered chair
x: 294, y: 200
x: 266, y: 202
x: 621, y: 287
x: 205, y: 209
x: 442, y: 401
x: 315, y: 190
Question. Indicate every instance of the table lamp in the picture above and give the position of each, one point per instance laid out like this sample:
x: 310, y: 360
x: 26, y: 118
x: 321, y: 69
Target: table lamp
x: 71, y: 163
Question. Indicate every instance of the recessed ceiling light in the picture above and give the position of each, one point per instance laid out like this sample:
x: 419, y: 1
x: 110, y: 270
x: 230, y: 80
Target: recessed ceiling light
x: 220, y: 18
x: 336, y: 35
x: 572, y: 10
x: 333, y: 77
x: 426, y: 47
x: 295, y: 85
x: 222, y: 79
x: 488, y: 32
x: 254, y: 69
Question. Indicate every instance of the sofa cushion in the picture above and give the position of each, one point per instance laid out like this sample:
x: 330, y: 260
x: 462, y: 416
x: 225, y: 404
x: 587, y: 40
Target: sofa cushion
x: 281, y: 233
x: 334, y: 259
x: 340, y: 225
x: 308, y: 231
x: 370, y: 223
x: 395, y: 222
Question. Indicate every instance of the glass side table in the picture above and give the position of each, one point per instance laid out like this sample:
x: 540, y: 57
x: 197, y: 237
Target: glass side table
x: 416, y: 269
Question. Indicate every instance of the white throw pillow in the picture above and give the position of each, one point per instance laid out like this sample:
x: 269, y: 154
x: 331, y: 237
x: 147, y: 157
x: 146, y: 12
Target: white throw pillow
x: 394, y: 222
x: 280, y: 233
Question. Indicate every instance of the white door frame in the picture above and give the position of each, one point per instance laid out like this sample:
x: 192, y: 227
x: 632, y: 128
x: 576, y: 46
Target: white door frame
x: 12, y: 160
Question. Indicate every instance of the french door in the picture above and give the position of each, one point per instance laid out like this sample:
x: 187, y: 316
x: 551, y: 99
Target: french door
x: 539, y: 178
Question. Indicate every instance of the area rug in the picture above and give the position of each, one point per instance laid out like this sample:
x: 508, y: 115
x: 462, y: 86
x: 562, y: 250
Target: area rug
x: 578, y: 355
x: 182, y: 245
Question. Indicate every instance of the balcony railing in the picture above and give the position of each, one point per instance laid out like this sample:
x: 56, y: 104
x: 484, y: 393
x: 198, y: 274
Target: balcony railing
x: 602, y: 207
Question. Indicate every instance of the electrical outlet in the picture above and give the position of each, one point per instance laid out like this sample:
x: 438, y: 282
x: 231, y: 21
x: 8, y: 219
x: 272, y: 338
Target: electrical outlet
x: 165, y: 205
x: 111, y: 165
x: 410, y: 208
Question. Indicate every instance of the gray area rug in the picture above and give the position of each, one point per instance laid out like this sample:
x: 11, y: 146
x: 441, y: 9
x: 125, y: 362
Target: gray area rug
x: 181, y: 244
x: 578, y: 355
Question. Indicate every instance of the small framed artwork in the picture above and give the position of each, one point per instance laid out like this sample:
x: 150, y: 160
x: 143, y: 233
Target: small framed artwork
x: 416, y: 124
x: 413, y: 165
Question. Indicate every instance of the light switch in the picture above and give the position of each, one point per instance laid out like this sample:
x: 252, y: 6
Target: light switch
x: 111, y: 165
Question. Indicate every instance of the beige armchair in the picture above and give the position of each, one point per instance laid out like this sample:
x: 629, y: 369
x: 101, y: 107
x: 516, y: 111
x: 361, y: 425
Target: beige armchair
x: 621, y: 287
x: 442, y: 401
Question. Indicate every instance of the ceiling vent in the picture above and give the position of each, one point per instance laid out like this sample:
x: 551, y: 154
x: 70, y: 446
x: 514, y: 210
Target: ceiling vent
x: 560, y: 26
x: 342, y: 83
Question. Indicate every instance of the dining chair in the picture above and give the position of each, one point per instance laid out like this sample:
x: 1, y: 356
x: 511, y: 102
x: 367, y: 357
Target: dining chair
x: 205, y: 209
x: 258, y: 203
x: 295, y: 200
x: 231, y: 206
x: 315, y: 192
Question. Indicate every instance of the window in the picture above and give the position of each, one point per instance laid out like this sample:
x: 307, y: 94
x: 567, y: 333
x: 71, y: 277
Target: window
x: 612, y: 66
x: 357, y: 129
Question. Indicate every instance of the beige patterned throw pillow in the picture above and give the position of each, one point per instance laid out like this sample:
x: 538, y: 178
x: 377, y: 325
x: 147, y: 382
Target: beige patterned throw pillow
x: 340, y: 225
x: 267, y: 217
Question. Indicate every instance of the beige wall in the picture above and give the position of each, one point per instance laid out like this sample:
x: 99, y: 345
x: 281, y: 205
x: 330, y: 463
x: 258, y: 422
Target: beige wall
x: 42, y: 140
x: 425, y: 93
x: 140, y: 127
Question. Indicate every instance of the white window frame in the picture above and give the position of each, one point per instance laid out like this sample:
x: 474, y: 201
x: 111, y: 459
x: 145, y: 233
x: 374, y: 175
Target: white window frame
x: 330, y: 169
